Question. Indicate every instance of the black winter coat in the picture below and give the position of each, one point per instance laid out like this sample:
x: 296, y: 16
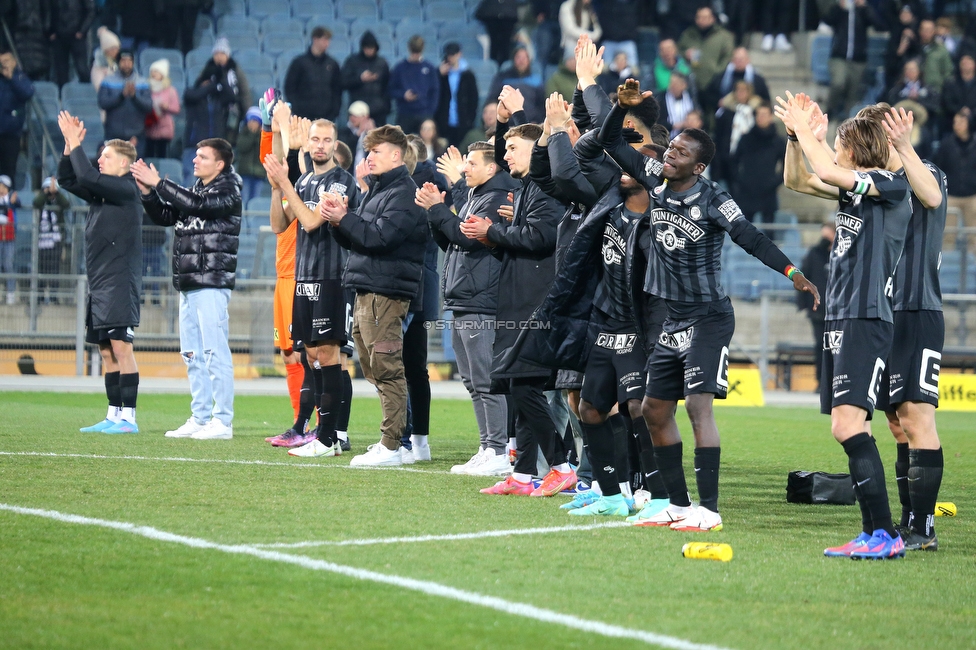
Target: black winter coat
x: 313, y: 85
x: 375, y: 93
x: 31, y: 33
x: 756, y: 170
x: 207, y: 220
x: 215, y: 104
x: 72, y: 16
x: 386, y: 237
x: 814, y: 266
x: 426, y: 304
x: 470, y: 270
x: 467, y: 103
x: 113, y: 240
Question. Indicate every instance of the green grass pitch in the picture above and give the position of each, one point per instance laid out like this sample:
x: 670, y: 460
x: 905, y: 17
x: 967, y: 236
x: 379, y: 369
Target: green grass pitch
x: 81, y: 586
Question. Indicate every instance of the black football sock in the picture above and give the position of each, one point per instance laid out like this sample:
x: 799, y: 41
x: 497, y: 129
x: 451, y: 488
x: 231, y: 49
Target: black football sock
x: 600, y: 447
x: 113, y: 390
x: 648, y: 464
x: 329, y: 403
x: 129, y: 389
x: 621, y: 449
x: 672, y: 473
x: 924, y: 481
x: 345, y: 405
x: 306, y: 400
x: 635, y: 477
x: 867, y: 472
x: 706, y: 476
x: 901, y: 479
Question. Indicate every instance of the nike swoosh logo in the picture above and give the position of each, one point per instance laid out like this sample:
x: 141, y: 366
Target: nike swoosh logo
x: 698, y: 469
x: 474, y: 336
x: 632, y: 388
x: 860, y: 483
x: 323, y: 331
x: 696, y: 384
x: 842, y: 392
x: 893, y: 391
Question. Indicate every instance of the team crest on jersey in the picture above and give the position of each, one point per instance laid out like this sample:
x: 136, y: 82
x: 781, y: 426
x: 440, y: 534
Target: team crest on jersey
x: 833, y: 340
x: 614, y: 245
x: 670, y: 240
x: 653, y: 167
x: 730, y: 210
x: 848, y: 227
x: 676, y: 224
x: 695, y: 212
x: 678, y: 340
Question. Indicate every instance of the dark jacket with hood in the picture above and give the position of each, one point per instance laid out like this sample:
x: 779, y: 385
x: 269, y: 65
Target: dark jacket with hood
x: 313, y: 85
x: 470, y: 270
x: 466, y: 98
x: 386, y: 237
x: 375, y: 93
x: 207, y: 220
x: 113, y: 240
x: 216, y: 103
x: 426, y: 305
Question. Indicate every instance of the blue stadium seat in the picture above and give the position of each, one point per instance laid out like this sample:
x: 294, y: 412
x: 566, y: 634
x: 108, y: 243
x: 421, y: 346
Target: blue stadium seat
x: 445, y: 11
x: 177, y: 77
x: 258, y: 82
x: 483, y: 68
x: 820, y: 58
x: 260, y: 204
x: 264, y: 8
x: 204, y: 39
x: 238, y: 25
x: 279, y: 24
x: 253, y: 60
x: 394, y: 10
x: 198, y: 57
x: 275, y: 44
x: 309, y: 8
x: 94, y: 137
x: 380, y: 30
x: 78, y: 90
x: 352, y: 9
x: 204, y: 24
x: 338, y: 28
x: 193, y: 73
x: 170, y: 168
x: 341, y: 47
x: 47, y: 94
x: 410, y: 26
x: 152, y: 54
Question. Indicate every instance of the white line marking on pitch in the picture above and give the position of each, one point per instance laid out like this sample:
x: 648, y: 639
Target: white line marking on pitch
x: 443, y: 538
x: 524, y: 610
x: 177, y: 459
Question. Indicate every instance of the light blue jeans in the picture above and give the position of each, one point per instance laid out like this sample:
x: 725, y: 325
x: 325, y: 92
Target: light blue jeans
x: 205, y: 347
x: 8, y: 250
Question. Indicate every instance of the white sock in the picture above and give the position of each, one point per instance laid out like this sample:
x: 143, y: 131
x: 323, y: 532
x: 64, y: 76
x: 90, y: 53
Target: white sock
x: 595, y: 486
x: 342, y: 435
x: 625, y: 490
x: 521, y: 478
x: 127, y: 414
x: 419, y: 441
x: 113, y: 413
x: 563, y: 468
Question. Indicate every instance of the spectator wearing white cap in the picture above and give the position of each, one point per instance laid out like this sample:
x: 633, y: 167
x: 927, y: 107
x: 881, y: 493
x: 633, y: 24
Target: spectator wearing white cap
x: 160, y: 126
x: 51, y: 205
x: 8, y: 233
x: 354, y: 131
x: 106, y: 56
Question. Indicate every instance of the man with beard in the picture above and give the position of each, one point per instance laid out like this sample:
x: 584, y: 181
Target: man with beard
x: 319, y: 320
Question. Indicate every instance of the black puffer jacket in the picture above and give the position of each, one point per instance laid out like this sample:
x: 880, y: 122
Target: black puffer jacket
x: 216, y: 103
x: 113, y: 240
x: 207, y: 220
x: 386, y: 237
x: 470, y: 270
x: 313, y: 85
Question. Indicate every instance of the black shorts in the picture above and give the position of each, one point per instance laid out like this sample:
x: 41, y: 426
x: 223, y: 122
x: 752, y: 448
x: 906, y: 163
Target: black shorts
x: 96, y: 337
x: 350, y: 296
x: 614, y: 371
x: 319, y: 313
x: 912, y: 373
x: 855, y: 353
x: 691, y: 360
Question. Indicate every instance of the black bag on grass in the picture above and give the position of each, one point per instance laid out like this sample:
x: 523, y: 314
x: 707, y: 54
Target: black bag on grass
x: 820, y: 487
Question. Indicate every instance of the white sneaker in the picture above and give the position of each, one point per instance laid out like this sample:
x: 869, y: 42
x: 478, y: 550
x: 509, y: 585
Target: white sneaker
x: 699, y: 520
x: 491, y: 464
x: 421, y: 451
x: 406, y: 456
x: 473, y: 462
x: 641, y: 497
x: 671, y: 515
x: 186, y: 430
x: 377, y: 456
x: 215, y: 430
x: 313, y: 449
x: 783, y: 44
x: 767, y: 43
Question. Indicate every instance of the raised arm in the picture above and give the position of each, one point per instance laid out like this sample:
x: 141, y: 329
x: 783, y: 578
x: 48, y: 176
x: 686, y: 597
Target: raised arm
x: 644, y: 169
x: 898, y: 125
x: 796, y: 176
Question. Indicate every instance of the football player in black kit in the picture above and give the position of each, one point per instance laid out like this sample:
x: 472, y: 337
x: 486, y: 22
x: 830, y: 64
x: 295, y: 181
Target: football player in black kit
x: 690, y: 216
x: 319, y: 320
x: 874, y: 209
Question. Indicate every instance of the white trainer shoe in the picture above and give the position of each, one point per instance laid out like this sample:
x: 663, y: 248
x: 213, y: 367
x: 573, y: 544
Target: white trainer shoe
x: 215, y: 430
x: 641, y: 497
x: 313, y: 449
x: 185, y: 430
x: 377, y: 456
x: 406, y: 456
x: 767, y: 43
x: 491, y: 464
x: 473, y: 462
x: 671, y: 515
x: 699, y: 520
x: 421, y: 452
x: 783, y: 44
